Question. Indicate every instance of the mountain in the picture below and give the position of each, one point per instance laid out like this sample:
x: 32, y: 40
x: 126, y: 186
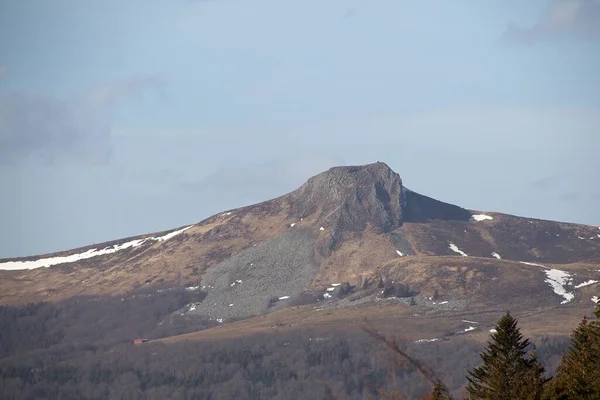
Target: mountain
x: 344, y: 224
x: 351, y: 244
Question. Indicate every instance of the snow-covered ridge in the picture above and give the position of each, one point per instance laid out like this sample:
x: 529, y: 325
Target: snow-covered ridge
x: 47, y: 262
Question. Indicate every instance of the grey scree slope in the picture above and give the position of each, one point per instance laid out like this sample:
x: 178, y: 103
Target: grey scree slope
x: 282, y: 266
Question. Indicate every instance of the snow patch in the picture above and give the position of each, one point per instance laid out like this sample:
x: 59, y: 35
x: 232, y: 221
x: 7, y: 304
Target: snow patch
x: 534, y: 264
x: 557, y: 279
x: 443, y: 302
x: 321, y: 229
x: 335, y: 284
x: 284, y: 297
x: 470, y: 328
x: 595, y: 299
x: 292, y: 224
x: 326, y: 296
x: 192, y: 288
x: 220, y: 320
x: 427, y: 340
x: 494, y: 254
x: 400, y: 253
x: 455, y: 249
x: 469, y: 322
x: 586, y: 283
x: 231, y: 305
x: 169, y: 235
x: 480, y: 217
x: 493, y: 330
x: 47, y: 262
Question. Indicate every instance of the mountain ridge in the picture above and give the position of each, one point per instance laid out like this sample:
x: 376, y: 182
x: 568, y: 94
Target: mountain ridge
x: 346, y: 222
x: 413, y: 213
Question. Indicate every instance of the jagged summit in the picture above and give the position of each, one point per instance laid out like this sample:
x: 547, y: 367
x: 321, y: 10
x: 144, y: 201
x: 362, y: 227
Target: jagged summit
x: 352, y: 197
x: 368, y: 194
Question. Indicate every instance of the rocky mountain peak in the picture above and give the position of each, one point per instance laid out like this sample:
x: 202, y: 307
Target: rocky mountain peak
x: 352, y: 197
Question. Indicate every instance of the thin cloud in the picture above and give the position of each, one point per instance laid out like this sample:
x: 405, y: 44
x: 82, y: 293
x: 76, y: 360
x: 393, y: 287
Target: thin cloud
x: 545, y: 183
x: 350, y: 13
x: 107, y: 95
x: 49, y: 130
x: 579, y: 19
x: 570, y: 197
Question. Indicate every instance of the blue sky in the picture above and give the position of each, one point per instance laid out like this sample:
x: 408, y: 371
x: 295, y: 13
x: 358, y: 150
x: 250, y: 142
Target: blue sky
x: 120, y: 119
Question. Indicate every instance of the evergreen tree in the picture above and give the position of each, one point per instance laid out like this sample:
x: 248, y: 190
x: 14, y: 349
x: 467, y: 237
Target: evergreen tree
x: 578, y: 376
x: 533, y: 389
x: 440, y: 392
x: 506, y: 373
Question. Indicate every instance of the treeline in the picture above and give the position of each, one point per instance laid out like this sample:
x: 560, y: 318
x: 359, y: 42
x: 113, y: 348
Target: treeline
x: 82, y: 349
x: 97, y: 321
x: 299, y: 365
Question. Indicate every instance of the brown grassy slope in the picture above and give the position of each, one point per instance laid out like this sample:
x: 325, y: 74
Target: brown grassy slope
x: 357, y: 256
x: 172, y: 261
x: 514, y: 238
x: 396, y: 320
x: 490, y: 286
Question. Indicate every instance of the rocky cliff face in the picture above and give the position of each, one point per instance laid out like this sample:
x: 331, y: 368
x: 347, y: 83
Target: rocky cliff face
x: 353, y: 197
x: 350, y: 199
